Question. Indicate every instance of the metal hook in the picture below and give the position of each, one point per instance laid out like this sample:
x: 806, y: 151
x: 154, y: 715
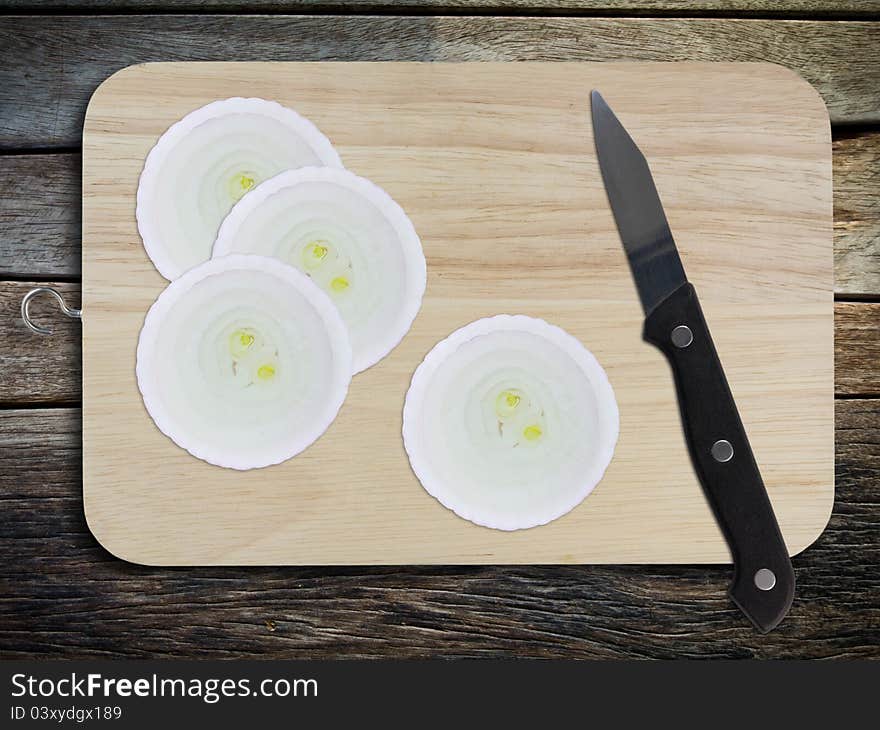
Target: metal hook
x: 26, y: 302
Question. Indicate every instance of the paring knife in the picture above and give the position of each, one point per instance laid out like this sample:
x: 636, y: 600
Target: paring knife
x: 763, y: 579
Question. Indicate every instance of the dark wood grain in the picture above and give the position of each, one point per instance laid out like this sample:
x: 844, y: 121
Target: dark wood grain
x: 857, y: 349
x: 52, y: 64
x: 764, y: 8
x: 857, y: 213
x: 64, y: 596
x: 35, y: 368
x: 40, y: 215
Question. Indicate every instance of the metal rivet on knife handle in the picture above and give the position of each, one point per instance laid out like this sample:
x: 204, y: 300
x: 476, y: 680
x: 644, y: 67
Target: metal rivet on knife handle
x: 765, y: 579
x: 682, y: 336
x: 722, y: 451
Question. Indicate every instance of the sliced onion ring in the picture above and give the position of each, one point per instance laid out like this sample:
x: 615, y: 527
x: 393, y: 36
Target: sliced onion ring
x: 350, y: 237
x: 243, y: 362
x: 204, y: 163
x: 510, y: 422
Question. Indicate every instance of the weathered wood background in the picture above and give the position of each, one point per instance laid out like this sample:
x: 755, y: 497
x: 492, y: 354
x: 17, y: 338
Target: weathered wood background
x: 62, y: 595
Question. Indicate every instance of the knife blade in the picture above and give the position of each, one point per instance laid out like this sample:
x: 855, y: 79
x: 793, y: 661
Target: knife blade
x: 763, y: 579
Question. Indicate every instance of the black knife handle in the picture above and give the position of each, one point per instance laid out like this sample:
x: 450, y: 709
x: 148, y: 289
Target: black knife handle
x: 723, y: 459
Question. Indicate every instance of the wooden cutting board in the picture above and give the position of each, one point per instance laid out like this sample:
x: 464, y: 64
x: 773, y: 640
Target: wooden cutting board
x: 496, y: 167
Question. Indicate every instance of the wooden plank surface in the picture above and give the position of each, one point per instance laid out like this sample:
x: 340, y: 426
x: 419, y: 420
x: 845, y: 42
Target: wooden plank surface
x: 857, y: 349
x: 53, y: 64
x: 857, y: 214
x: 40, y: 214
x: 47, y: 370
x: 39, y: 369
x: 504, y: 204
x: 764, y: 8
x: 65, y: 597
